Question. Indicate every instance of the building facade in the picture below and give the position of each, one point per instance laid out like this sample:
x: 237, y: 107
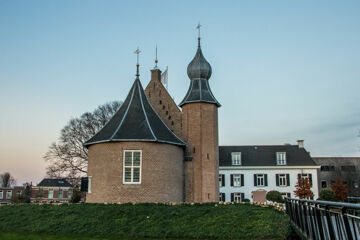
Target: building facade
x: 347, y: 169
x: 7, y: 195
x: 52, y: 191
x: 249, y: 172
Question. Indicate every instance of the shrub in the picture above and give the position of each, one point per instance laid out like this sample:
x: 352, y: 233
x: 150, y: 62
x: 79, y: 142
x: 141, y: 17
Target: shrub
x: 246, y: 200
x: 327, y: 194
x: 274, y: 196
x: 76, y: 197
x: 341, y: 191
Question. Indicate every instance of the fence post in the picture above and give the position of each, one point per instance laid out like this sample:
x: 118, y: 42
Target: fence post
x: 347, y: 225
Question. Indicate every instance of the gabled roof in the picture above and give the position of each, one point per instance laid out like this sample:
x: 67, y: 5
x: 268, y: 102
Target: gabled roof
x: 50, y: 182
x: 136, y: 120
x: 265, y: 155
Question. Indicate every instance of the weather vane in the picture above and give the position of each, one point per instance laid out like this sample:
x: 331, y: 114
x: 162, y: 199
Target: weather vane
x: 198, y: 28
x: 137, y: 52
x: 156, y: 60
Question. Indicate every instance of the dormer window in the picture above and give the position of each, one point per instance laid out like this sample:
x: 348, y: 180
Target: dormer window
x: 236, y: 158
x: 281, y: 158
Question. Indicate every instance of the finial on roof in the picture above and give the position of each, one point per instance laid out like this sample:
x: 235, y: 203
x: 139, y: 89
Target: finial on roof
x: 198, y: 28
x: 156, y: 59
x: 137, y: 52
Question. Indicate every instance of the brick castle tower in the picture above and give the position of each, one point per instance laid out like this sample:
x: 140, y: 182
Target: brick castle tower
x: 200, y: 131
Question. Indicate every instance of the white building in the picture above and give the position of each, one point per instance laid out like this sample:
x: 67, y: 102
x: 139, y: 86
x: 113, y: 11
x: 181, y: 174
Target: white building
x: 249, y: 172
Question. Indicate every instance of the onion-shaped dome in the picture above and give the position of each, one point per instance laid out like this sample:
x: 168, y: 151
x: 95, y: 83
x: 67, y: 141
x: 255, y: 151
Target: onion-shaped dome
x: 199, y: 72
x: 199, y: 67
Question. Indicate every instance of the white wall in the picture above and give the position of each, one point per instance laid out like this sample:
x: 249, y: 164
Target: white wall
x: 271, y: 176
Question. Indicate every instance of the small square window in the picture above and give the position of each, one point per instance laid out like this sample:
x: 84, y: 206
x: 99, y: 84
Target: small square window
x: 236, y: 158
x: 323, y: 184
x: 281, y: 158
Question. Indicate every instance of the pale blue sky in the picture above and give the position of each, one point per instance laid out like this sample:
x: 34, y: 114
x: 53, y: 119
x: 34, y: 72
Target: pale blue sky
x: 282, y: 70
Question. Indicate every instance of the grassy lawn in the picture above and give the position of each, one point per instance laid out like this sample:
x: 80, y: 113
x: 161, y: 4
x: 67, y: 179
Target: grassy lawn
x: 113, y: 221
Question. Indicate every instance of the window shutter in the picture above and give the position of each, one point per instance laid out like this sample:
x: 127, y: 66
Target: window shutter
x: 242, y: 179
x: 223, y: 180
x: 266, y: 183
x: 231, y: 180
x: 232, y: 197
x: 288, y: 179
x: 310, y: 178
x: 277, y: 179
x: 299, y: 176
x: 255, y: 182
x: 223, y: 197
x: 242, y: 197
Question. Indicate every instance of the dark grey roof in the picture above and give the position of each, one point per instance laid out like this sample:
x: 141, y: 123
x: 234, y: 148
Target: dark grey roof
x: 50, y: 182
x: 199, y: 72
x: 136, y: 120
x: 265, y: 155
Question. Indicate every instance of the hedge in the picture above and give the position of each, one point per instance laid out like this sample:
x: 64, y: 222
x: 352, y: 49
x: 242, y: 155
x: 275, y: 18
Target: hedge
x: 202, y: 221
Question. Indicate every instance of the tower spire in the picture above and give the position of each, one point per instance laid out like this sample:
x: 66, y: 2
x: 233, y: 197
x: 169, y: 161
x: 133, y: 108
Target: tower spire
x: 198, y: 28
x: 137, y: 52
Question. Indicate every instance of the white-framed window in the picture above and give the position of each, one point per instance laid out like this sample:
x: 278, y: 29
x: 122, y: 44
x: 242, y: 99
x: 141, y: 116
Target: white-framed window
x: 132, y: 167
x: 221, y: 180
x: 51, y: 194
x: 70, y: 193
x: 237, y: 180
x: 236, y: 158
x: 89, y: 184
x: 260, y: 180
x: 238, y: 197
x: 1, y: 195
x: 222, y: 197
x: 281, y: 158
x: 8, y: 194
x: 282, y: 180
x: 60, y: 194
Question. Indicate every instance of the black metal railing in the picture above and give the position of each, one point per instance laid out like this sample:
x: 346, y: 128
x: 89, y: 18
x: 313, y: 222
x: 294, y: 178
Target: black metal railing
x: 324, y: 220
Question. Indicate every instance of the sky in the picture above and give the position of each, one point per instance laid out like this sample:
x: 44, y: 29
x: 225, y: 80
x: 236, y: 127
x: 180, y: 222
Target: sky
x: 282, y: 70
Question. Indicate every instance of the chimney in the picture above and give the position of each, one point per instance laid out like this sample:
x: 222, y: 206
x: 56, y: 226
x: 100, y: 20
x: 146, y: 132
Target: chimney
x: 300, y: 143
x: 156, y: 74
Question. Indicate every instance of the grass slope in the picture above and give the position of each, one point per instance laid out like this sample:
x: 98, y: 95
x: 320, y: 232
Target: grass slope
x: 206, y: 221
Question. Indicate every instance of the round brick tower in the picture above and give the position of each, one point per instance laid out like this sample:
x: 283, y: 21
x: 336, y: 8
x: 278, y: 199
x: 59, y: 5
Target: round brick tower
x: 200, y: 130
x: 135, y: 157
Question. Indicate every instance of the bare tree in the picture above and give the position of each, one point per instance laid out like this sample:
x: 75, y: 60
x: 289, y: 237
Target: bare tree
x: 68, y: 157
x: 6, y: 180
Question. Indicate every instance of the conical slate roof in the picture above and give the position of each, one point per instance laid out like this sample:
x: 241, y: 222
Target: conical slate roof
x: 136, y: 120
x: 199, y: 72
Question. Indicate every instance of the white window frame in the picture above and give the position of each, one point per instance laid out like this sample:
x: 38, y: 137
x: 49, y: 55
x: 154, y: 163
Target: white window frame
x: 1, y: 194
x: 62, y: 194
x: 69, y: 193
x: 305, y: 175
x: 8, y: 194
x: 220, y: 180
x: 259, y: 178
x: 220, y: 199
x: 89, y: 184
x: 282, y: 180
x: 237, y: 197
x: 52, y: 194
x: 237, y: 180
x: 281, y: 158
x: 236, y: 158
x: 132, y: 167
